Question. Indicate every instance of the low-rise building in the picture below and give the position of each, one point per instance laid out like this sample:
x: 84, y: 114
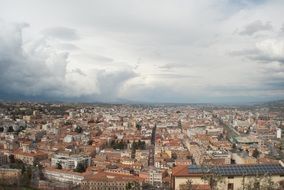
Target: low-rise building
x: 111, y: 181
x: 64, y: 176
x: 153, y: 176
x: 233, y: 176
x: 30, y: 158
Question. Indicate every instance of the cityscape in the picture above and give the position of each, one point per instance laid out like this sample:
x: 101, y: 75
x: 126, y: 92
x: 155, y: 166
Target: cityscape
x: 142, y: 146
x: 142, y: 95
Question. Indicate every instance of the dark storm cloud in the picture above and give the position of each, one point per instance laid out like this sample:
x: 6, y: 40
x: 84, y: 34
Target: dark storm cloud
x: 25, y: 74
x: 40, y: 71
x: 110, y: 82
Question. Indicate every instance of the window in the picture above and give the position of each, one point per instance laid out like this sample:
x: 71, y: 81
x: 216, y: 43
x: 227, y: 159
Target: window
x: 231, y: 177
x: 230, y: 186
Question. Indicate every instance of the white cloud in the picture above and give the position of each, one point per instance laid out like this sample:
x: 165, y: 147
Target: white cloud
x: 271, y: 49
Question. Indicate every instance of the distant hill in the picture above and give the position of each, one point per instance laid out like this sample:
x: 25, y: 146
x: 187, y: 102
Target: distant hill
x: 276, y: 103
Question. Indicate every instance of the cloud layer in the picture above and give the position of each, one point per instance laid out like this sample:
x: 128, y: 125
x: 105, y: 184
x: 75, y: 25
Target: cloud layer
x: 157, y: 51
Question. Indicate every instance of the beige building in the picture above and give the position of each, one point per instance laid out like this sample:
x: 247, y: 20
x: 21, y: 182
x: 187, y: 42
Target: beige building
x: 231, y: 177
x: 30, y: 157
x: 111, y: 181
x: 10, y: 176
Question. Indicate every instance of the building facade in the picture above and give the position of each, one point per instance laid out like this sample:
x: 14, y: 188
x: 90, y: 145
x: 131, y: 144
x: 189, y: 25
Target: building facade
x: 231, y: 177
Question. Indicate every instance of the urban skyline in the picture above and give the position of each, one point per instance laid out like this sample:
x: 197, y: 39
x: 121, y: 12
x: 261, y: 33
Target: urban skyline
x: 142, y: 94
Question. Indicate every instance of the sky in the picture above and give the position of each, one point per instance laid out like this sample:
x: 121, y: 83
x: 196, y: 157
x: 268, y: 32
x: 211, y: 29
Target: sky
x: 182, y: 51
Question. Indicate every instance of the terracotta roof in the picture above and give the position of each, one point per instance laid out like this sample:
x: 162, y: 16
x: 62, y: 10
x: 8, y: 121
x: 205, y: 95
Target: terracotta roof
x: 30, y: 154
x: 107, y: 176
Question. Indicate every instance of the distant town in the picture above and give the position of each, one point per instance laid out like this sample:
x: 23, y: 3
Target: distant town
x: 106, y: 146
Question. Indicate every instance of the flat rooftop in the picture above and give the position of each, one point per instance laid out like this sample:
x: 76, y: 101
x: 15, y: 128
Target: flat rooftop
x: 239, y: 170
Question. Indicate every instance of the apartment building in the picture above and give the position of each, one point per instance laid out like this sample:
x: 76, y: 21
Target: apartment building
x: 70, y: 161
x: 30, y: 158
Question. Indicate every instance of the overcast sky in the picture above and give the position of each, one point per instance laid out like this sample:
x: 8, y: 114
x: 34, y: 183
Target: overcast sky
x: 150, y: 50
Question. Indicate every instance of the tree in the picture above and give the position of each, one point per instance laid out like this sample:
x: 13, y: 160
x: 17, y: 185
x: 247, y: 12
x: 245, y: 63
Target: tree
x: 179, y: 124
x: 12, y: 158
x: 132, y: 185
x: 118, y: 144
x: 212, y: 178
x: 133, y: 152
x: 90, y: 142
x: 78, y: 129
x: 255, y: 153
x: 220, y: 136
x: 174, y: 156
x: 138, y: 126
x: 268, y: 183
x: 10, y: 129
x: 187, y: 186
x: 253, y: 183
x: 58, y: 166
x: 80, y: 168
x: 147, y: 186
x: 257, y: 182
x: 281, y: 184
x: 26, y: 176
x: 264, y: 182
x: 67, y: 123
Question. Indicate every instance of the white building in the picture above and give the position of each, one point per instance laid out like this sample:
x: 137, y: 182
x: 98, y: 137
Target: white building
x: 278, y: 133
x: 155, y: 177
x: 70, y: 161
x: 63, y: 176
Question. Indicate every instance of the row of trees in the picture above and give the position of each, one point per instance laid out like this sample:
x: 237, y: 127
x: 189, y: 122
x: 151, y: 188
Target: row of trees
x: 139, y: 145
x: 11, y: 129
x: 118, y: 144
